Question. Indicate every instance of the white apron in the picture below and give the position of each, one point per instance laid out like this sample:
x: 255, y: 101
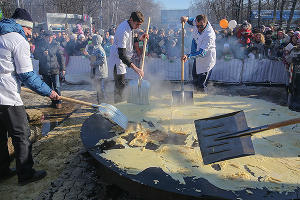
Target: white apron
x: 206, y: 41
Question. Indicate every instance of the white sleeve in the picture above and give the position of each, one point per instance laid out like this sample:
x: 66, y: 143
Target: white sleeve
x: 122, y: 37
x: 21, y: 55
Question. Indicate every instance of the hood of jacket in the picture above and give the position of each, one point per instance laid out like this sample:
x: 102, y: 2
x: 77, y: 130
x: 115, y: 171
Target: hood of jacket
x: 10, y: 25
x: 97, y: 41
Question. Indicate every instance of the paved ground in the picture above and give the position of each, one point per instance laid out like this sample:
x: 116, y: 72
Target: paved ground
x: 71, y: 171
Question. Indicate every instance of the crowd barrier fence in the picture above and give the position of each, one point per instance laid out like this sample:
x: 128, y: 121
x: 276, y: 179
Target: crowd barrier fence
x: 233, y: 71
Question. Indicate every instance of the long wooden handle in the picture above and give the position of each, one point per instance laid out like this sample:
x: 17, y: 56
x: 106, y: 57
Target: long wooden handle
x: 145, y: 45
x: 66, y: 99
x: 77, y: 101
x: 283, y: 123
x: 182, y: 51
x: 253, y: 131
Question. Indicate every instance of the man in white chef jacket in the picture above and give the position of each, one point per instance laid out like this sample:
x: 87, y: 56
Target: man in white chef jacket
x: 122, y: 50
x: 16, y: 67
x: 203, y: 50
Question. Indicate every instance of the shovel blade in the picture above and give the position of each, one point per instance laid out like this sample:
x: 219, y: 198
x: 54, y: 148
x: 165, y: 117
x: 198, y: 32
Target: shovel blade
x: 139, y: 93
x: 213, y: 150
x: 113, y: 114
x: 182, y: 97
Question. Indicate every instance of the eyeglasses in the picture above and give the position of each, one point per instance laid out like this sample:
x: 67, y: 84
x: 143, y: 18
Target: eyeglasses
x: 138, y: 24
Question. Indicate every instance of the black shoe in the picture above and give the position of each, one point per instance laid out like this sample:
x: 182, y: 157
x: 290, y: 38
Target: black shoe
x: 38, y: 175
x: 52, y: 105
x: 58, y: 106
x: 8, y: 174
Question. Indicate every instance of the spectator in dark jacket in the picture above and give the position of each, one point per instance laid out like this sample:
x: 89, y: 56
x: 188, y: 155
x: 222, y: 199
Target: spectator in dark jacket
x: 70, y: 48
x: 51, y: 64
x: 279, y: 43
x: 106, y: 38
x: 269, y: 51
x: 153, y: 43
x: 81, y: 43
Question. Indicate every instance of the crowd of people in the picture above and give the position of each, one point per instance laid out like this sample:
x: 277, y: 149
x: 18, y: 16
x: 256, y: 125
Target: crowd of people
x: 243, y: 42
x: 268, y: 42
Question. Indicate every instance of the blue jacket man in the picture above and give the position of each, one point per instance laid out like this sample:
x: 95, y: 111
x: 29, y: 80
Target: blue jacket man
x: 203, y: 50
x: 16, y: 67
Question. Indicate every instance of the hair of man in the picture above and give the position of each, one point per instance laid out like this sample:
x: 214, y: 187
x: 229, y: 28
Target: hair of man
x: 201, y: 18
x: 137, y: 16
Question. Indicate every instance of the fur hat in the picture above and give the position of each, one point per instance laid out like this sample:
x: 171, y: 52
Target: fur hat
x: 23, y: 18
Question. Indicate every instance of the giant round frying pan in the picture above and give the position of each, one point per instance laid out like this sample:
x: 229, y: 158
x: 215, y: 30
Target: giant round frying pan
x: 143, y: 184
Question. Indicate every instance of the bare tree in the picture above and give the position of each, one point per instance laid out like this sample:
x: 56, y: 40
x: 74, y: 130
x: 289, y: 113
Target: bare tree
x: 249, y: 10
x: 8, y: 7
x: 292, y: 13
x: 259, y: 11
x: 281, y: 12
x: 241, y: 5
x: 274, y: 10
x: 111, y: 11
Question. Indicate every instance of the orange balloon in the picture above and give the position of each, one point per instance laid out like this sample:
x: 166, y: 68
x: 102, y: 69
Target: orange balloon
x: 224, y: 23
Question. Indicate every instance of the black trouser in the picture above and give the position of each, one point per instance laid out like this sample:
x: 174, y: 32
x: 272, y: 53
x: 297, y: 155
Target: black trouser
x: 100, y: 87
x: 53, y: 82
x: 93, y: 72
x: 119, y: 86
x: 200, y: 80
x: 14, y: 123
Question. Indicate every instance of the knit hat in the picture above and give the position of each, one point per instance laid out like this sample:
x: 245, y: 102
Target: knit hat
x: 23, y: 18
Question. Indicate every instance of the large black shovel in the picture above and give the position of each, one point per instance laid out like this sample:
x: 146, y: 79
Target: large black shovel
x: 182, y: 97
x: 228, y: 136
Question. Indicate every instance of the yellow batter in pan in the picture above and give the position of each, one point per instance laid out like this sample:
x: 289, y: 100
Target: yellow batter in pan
x: 275, y: 166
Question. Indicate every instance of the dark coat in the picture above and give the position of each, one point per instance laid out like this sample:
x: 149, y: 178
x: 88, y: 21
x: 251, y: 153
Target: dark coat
x: 54, y: 62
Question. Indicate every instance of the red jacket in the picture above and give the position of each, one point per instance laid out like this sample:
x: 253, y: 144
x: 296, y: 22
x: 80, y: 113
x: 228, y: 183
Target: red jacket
x: 244, y: 36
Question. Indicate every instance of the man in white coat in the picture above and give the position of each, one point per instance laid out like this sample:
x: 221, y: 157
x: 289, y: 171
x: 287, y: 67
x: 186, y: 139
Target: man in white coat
x: 203, y: 50
x: 122, y: 50
x: 16, y: 67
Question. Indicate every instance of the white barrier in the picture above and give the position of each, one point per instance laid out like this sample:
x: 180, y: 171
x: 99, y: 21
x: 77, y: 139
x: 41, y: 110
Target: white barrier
x: 264, y: 71
x: 165, y: 69
x: 233, y: 71
x: 78, y: 70
x: 227, y: 71
x: 158, y: 69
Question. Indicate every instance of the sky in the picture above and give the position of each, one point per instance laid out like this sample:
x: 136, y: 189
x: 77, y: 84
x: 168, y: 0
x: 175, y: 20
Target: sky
x: 174, y: 4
